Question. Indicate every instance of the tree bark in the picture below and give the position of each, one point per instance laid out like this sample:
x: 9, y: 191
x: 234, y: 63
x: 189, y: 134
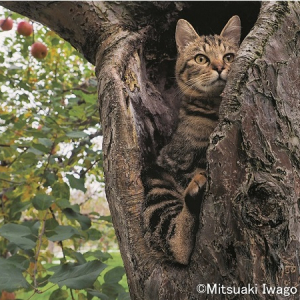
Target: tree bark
x: 254, y: 159
x: 249, y: 231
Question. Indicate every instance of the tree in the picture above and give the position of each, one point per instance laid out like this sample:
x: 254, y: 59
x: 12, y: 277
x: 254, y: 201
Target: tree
x: 249, y: 230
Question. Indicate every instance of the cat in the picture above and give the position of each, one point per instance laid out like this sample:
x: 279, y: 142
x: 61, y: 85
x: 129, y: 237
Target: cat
x: 174, y: 185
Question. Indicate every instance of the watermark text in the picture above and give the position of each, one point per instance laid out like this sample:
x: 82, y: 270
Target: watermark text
x: 249, y: 289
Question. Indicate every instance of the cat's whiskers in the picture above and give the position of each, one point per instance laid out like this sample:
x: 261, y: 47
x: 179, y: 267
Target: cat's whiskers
x: 196, y: 84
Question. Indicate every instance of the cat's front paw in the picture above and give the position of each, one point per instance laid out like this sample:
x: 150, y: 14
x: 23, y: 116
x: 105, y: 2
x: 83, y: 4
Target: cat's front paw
x: 196, y: 184
x: 194, y: 193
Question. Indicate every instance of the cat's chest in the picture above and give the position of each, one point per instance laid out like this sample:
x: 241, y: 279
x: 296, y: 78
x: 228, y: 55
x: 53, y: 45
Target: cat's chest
x: 183, y: 155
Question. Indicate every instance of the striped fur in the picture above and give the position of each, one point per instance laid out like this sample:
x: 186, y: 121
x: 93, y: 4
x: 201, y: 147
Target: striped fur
x: 174, y: 184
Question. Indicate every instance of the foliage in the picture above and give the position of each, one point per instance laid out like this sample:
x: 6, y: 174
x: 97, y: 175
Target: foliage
x: 50, y: 131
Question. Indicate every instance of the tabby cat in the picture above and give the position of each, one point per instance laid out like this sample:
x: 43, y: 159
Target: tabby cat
x: 174, y: 185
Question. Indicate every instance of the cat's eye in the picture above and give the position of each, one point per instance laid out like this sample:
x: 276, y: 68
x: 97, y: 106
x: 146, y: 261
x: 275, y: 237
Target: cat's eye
x: 201, y: 59
x: 228, y: 58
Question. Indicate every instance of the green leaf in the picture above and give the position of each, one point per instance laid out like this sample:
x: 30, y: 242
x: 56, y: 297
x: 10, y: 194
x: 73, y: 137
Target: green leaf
x: 19, y: 207
x: 19, y: 261
x: 11, y: 277
x: 40, y: 148
x: 34, y: 151
x: 61, y: 190
x: 61, y: 233
x: 76, y: 183
x: 42, y: 280
x: 51, y: 178
x: 42, y: 201
x: 112, y: 290
x: 97, y: 294
x: 103, y: 256
x: 55, y: 41
x: 29, y: 158
x: 84, y: 221
x: 18, y: 234
x: 75, y: 255
x: 94, y: 234
x: 46, y: 142
x: 63, y: 203
x: 124, y: 295
x: 111, y: 286
x: 34, y: 227
x: 77, y: 277
x: 114, y: 275
x: 106, y: 218
x: 59, y: 295
x: 50, y: 226
x: 76, y: 134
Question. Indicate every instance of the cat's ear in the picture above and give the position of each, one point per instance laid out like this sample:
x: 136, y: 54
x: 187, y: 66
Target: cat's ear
x: 185, y: 34
x: 232, y: 30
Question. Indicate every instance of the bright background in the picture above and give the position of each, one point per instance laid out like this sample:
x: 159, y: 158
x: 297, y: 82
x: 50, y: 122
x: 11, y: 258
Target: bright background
x: 55, y: 224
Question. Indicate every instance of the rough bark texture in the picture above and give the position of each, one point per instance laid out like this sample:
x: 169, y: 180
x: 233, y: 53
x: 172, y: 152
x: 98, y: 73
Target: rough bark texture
x: 254, y: 159
x: 249, y: 231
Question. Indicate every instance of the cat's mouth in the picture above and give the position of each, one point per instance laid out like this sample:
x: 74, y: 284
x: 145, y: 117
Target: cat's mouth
x: 219, y: 80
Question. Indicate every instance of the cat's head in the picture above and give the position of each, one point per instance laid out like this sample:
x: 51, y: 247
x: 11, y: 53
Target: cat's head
x: 203, y: 62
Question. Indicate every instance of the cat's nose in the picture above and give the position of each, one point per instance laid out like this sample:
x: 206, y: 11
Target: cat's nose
x: 218, y: 67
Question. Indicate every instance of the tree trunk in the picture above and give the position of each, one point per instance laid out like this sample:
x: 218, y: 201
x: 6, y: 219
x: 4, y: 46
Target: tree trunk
x: 249, y: 233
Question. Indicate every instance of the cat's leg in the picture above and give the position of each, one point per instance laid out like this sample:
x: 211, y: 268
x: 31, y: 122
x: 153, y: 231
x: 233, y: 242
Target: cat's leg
x: 170, y: 214
x: 187, y: 222
x: 162, y: 204
x: 194, y: 192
